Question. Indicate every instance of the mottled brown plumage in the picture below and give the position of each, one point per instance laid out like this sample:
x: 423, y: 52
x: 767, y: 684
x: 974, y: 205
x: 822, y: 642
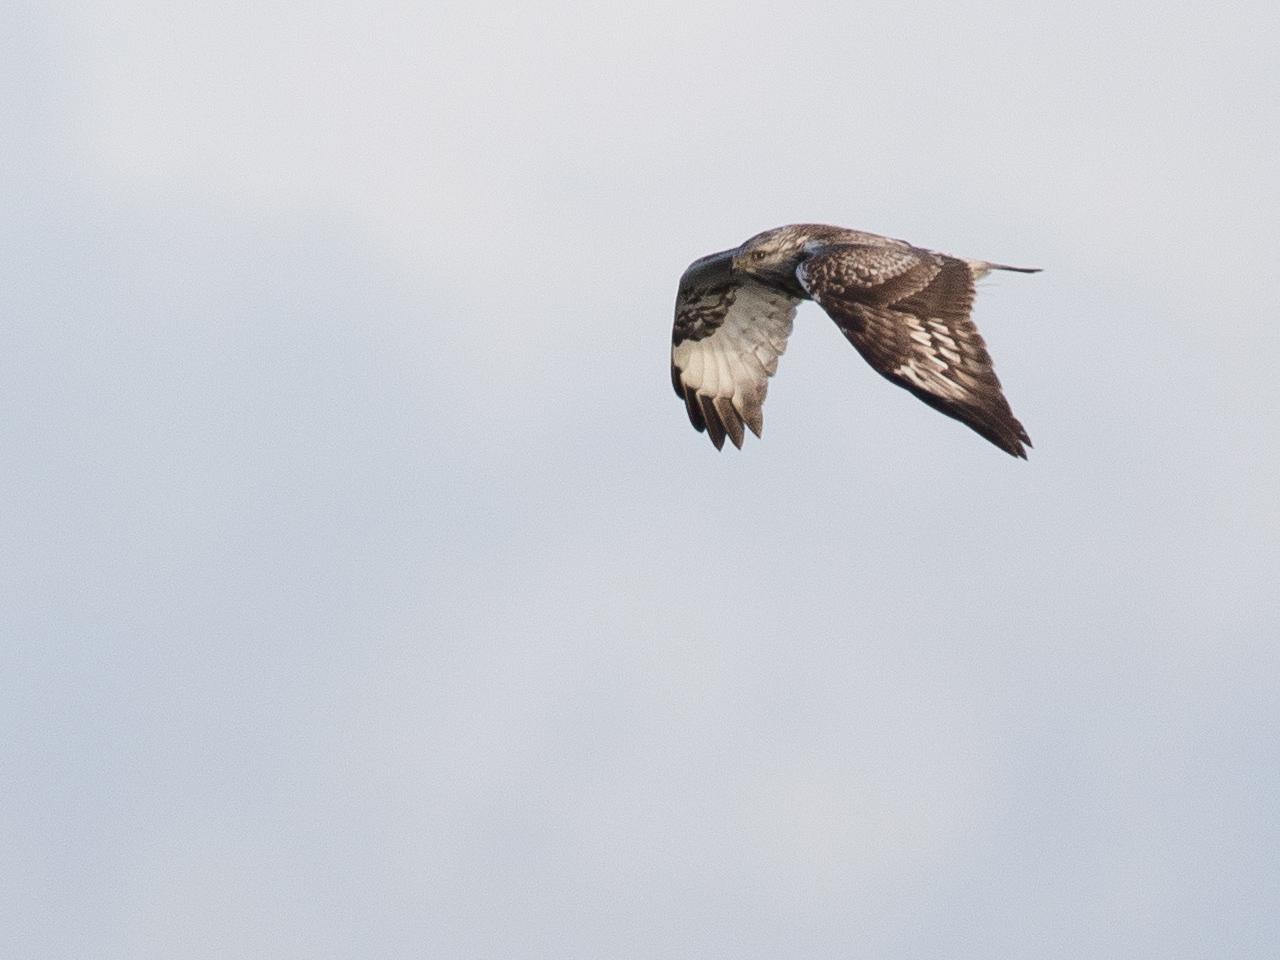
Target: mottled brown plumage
x: 905, y: 309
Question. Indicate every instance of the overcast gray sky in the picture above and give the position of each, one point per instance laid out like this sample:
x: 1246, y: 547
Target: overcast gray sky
x: 366, y: 592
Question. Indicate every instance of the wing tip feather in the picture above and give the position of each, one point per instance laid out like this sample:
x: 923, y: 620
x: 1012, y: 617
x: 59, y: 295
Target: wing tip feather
x: 1011, y: 437
x: 730, y: 420
x: 709, y: 415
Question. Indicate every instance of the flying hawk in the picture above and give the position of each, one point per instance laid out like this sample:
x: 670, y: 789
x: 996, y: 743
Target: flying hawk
x: 905, y: 309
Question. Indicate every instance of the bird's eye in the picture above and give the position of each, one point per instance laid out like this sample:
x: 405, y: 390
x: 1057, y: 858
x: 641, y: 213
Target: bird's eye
x: 757, y: 254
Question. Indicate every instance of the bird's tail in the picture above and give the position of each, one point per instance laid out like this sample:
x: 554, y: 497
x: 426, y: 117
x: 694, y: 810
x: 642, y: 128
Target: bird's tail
x: 981, y: 268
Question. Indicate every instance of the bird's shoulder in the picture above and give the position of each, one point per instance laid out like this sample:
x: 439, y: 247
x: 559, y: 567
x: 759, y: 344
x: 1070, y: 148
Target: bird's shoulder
x: 817, y: 236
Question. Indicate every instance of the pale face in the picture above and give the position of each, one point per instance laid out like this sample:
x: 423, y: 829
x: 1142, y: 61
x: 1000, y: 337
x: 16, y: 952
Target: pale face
x: 770, y: 255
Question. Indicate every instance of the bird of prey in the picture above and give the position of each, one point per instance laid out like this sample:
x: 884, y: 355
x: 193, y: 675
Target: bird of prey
x: 905, y: 309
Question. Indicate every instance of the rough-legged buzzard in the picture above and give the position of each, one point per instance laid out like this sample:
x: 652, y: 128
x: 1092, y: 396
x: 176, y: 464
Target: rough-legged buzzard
x: 905, y: 309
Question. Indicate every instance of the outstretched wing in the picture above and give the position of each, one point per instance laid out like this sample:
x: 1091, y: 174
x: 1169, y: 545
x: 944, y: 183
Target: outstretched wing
x: 907, y: 312
x: 729, y: 333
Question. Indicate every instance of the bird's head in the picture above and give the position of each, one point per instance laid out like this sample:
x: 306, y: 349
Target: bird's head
x: 773, y: 256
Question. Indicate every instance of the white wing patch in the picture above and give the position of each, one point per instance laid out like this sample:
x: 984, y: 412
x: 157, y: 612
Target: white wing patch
x: 932, y: 359
x: 726, y: 374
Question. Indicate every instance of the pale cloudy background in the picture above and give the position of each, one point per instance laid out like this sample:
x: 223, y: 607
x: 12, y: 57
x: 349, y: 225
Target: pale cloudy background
x: 367, y: 594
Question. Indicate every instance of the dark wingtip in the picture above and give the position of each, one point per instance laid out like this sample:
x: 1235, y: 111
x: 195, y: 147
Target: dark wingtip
x: 1018, y: 447
x: 715, y: 429
x: 694, y: 410
x: 1009, y: 437
x: 730, y: 420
